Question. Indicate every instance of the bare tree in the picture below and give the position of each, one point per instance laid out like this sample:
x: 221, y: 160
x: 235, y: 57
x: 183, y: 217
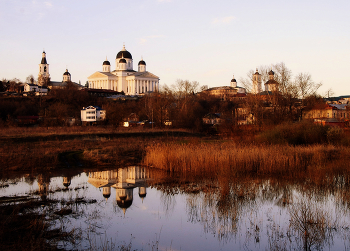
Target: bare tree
x: 183, y: 88
x: 305, y: 85
x: 30, y: 79
x: 284, y: 104
x: 44, y: 81
x: 328, y: 93
x: 283, y: 76
x: 14, y: 85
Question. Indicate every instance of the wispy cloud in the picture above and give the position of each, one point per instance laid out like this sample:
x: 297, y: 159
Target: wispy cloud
x: 144, y: 40
x: 48, y: 4
x: 223, y: 20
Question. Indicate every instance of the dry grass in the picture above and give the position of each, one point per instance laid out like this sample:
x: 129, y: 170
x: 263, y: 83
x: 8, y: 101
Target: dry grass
x: 229, y: 157
x: 45, y: 149
x: 23, y: 132
x: 49, y: 155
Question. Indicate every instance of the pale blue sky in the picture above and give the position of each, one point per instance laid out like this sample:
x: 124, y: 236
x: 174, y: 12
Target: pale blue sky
x: 204, y: 41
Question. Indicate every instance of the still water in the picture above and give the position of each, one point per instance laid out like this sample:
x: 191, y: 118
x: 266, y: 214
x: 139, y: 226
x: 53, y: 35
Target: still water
x: 134, y: 208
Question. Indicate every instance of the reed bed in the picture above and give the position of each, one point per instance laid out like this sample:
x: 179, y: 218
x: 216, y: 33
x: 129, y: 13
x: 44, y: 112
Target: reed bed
x: 230, y: 157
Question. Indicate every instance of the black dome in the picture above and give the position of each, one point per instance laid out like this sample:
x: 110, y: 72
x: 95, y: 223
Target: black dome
x: 66, y: 184
x: 142, y: 62
x: 124, y: 203
x: 66, y: 73
x: 233, y: 80
x: 106, y: 195
x: 124, y: 54
x: 106, y: 62
x: 142, y: 195
x: 122, y: 61
x: 271, y: 72
x: 271, y: 82
x: 43, y: 61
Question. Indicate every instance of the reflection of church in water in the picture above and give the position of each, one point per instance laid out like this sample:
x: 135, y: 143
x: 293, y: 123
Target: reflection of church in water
x: 44, y: 184
x: 124, y: 180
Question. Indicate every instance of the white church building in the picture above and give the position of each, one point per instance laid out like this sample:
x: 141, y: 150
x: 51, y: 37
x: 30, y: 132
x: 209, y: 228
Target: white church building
x: 124, y: 77
x: 44, y: 77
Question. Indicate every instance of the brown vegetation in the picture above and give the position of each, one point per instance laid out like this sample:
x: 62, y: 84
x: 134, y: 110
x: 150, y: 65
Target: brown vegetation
x: 230, y: 157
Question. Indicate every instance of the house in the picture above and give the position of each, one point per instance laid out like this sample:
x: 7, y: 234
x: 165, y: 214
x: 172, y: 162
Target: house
x: 92, y: 114
x: 36, y: 89
x: 329, y: 114
x: 132, y: 120
x: 212, y: 119
x: 327, y: 111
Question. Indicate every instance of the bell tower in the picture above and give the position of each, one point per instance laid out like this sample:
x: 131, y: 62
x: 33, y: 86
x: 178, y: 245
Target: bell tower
x: 256, y: 82
x: 44, y: 75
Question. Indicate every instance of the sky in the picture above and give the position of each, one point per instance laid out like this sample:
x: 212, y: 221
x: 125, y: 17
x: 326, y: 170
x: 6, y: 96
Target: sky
x: 196, y: 40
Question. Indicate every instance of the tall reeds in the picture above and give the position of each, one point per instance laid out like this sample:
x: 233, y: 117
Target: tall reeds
x: 231, y: 157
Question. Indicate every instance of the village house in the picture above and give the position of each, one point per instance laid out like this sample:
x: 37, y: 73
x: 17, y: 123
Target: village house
x: 212, y: 119
x: 132, y: 120
x: 92, y: 114
x: 329, y: 114
x: 35, y: 89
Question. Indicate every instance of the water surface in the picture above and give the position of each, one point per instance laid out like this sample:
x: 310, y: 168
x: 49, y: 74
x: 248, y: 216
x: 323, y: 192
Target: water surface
x: 142, y: 209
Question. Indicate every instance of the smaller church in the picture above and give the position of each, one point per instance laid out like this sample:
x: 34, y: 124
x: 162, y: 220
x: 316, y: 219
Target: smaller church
x: 271, y: 85
x: 45, y: 80
x: 124, y: 78
x: 232, y: 92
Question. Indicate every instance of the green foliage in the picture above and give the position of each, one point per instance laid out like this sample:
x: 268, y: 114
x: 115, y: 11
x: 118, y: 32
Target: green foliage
x: 302, y: 133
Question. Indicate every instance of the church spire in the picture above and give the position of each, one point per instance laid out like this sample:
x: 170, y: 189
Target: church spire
x: 44, y: 75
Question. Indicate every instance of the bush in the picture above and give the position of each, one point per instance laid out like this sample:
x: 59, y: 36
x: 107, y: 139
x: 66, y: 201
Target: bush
x: 301, y: 133
x: 335, y: 135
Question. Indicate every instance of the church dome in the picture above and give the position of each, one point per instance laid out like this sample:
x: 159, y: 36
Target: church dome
x: 106, y: 62
x: 107, y: 195
x: 66, y: 73
x: 66, y: 184
x: 122, y: 61
x: 142, y: 62
x: 271, y: 73
x: 124, y: 203
x: 124, y: 54
x: 233, y: 80
x: 142, y: 195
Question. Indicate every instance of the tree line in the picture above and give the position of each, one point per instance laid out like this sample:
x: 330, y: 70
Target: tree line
x: 179, y: 103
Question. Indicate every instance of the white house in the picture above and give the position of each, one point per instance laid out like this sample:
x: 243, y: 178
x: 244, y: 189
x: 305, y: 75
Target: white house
x: 92, y: 114
x: 33, y: 88
x: 124, y: 77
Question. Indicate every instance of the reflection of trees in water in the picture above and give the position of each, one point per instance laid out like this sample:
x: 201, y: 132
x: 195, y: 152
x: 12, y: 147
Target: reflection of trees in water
x: 168, y: 202
x: 313, y: 224
x: 231, y: 207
